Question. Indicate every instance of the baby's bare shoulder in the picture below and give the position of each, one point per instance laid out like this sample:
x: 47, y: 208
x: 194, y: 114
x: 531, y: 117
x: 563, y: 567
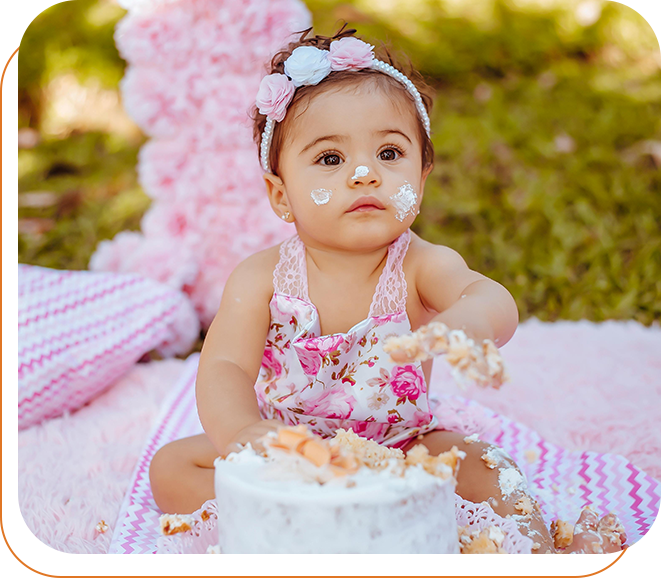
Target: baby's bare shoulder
x: 440, y: 273
x: 254, y: 275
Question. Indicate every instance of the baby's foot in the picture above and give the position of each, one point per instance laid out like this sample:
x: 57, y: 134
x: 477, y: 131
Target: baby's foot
x: 593, y: 535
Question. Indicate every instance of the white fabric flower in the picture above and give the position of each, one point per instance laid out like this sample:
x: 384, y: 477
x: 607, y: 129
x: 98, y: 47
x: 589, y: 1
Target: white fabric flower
x: 307, y: 65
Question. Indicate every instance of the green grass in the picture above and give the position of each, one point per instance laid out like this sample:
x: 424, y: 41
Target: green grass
x: 572, y: 235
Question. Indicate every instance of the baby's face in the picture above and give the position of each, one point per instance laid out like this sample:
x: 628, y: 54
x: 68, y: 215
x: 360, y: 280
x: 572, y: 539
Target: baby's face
x: 351, y: 169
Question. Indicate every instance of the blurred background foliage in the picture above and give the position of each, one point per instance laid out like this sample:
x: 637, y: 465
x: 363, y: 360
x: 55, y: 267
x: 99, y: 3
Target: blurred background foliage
x: 546, y: 125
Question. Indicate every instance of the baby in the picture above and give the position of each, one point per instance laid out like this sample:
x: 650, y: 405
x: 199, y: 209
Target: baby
x: 299, y: 336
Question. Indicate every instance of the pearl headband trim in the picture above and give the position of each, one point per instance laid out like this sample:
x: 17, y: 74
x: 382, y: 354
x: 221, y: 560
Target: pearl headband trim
x: 310, y: 66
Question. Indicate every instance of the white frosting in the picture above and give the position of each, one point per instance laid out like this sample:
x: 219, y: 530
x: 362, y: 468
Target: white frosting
x: 510, y: 480
x: 405, y: 201
x: 267, y: 506
x: 361, y: 171
x: 321, y: 196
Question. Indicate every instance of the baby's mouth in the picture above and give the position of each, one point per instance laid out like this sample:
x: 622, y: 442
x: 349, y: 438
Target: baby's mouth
x: 366, y: 203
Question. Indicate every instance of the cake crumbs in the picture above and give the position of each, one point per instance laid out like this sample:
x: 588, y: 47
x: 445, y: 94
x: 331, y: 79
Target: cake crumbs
x: 471, y: 439
x: 486, y: 541
x: 524, y: 505
x: 563, y: 533
x: 102, y: 527
x: 213, y: 549
x: 531, y: 456
x: 443, y: 465
x: 536, y: 546
x: 175, y: 523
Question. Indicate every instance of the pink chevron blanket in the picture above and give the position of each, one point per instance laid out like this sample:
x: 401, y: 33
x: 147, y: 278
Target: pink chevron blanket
x: 563, y: 481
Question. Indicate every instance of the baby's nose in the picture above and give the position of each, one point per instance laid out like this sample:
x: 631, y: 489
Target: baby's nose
x: 363, y: 175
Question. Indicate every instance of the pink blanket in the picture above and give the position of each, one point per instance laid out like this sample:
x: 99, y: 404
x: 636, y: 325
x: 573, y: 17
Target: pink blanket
x: 581, y: 386
x: 563, y: 481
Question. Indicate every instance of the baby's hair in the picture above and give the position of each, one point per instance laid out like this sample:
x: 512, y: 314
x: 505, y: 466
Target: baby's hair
x: 339, y: 78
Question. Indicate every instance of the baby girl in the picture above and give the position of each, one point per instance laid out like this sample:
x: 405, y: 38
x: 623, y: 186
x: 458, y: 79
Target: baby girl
x: 299, y: 336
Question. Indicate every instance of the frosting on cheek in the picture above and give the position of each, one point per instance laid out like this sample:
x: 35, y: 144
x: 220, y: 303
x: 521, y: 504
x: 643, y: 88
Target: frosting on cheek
x: 321, y: 196
x: 404, y: 201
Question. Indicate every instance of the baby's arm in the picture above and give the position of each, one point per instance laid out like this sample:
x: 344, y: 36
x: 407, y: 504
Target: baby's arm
x: 232, y: 353
x: 464, y: 299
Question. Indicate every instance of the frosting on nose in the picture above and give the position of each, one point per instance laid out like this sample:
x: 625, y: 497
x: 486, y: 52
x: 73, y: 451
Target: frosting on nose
x: 361, y: 171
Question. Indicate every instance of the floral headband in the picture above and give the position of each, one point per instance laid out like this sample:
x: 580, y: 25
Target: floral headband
x: 308, y: 65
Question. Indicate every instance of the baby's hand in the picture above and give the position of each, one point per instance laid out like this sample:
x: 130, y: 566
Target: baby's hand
x: 480, y: 363
x: 251, y: 434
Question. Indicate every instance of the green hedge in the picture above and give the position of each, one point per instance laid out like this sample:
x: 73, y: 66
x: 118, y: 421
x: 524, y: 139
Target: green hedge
x: 547, y: 135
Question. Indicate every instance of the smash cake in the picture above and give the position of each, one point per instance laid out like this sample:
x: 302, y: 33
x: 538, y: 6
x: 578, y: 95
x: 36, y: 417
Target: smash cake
x: 305, y: 494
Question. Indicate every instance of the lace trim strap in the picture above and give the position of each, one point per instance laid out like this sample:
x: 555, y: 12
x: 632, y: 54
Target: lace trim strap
x: 391, y: 292
x: 290, y: 276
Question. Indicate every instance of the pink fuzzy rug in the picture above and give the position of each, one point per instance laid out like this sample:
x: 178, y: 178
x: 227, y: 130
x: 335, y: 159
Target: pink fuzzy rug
x: 580, y: 385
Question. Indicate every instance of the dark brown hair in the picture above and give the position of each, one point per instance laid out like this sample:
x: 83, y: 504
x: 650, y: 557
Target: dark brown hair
x: 337, y: 79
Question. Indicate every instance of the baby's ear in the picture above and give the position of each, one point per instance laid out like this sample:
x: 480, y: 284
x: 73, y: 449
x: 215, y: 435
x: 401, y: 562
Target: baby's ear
x: 277, y: 193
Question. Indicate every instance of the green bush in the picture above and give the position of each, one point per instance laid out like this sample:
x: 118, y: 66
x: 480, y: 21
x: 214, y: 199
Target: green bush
x: 547, y: 138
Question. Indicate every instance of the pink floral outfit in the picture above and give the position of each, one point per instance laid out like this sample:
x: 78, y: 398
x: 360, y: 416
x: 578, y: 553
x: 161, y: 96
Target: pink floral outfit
x: 343, y: 380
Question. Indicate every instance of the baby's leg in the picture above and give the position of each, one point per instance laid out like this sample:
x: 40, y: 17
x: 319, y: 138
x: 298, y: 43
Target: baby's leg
x: 181, y: 474
x: 497, y: 480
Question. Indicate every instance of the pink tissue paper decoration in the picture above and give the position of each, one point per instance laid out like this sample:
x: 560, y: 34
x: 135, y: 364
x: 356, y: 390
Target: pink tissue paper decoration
x: 194, y: 68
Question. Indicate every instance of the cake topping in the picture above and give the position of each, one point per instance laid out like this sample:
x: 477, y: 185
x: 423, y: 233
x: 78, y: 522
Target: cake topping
x: 480, y: 363
x: 175, y: 523
x: 294, y: 452
x: 486, y: 541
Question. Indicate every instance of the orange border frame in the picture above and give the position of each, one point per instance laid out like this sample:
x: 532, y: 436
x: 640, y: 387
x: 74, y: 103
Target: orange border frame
x: 21, y: 550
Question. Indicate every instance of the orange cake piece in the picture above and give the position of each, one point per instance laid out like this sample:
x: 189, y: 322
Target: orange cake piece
x: 486, y: 541
x: 562, y: 532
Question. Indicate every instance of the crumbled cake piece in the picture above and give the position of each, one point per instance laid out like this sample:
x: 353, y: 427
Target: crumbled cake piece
x: 524, y: 505
x: 471, y: 439
x: 204, y: 515
x: 563, y: 533
x: 612, y: 529
x: 443, y: 465
x: 299, y: 440
x: 367, y: 452
x: 489, y: 460
x: 102, y: 527
x: 531, y: 456
x: 214, y: 549
x: 347, y: 451
x: 480, y: 363
x: 487, y: 541
x: 536, y: 546
x: 175, y: 523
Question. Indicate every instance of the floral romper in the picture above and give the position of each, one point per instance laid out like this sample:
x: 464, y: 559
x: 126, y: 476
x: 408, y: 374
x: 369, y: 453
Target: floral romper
x: 343, y: 380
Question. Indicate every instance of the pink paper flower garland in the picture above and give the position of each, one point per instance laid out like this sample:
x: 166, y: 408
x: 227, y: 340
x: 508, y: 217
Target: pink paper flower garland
x: 194, y: 69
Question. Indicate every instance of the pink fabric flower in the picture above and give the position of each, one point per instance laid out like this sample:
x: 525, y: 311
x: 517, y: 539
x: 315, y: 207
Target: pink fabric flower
x: 369, y: 429
x: 333, y: 403
x: 327, y: 344
x: 274, y: 95
x: 419, y: 418
x: 350, y: 54
x: 272, y: 366
x: 312, y: 352
x: 407, y: 381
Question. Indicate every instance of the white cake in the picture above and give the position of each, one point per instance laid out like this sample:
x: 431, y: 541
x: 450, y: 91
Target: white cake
x: 307, y: 495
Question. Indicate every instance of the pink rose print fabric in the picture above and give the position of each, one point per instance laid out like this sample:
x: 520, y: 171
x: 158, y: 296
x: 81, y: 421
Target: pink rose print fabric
x: 344, y: 380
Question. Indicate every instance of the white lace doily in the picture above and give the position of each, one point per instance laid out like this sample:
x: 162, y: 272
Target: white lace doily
x: 480, y: 516
x: 204, y: 533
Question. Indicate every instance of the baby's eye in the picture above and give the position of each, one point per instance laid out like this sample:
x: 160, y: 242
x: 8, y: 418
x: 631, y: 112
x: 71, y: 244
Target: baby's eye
x: 330, y: 160
x: 389, y: 154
